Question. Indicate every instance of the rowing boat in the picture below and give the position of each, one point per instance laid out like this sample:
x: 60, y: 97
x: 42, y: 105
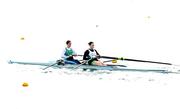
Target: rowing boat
x: 93, y: 67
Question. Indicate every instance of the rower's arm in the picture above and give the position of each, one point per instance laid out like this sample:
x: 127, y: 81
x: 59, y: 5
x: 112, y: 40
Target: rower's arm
x: 97, y: 53
x: 74, y: 52
x: 86, y: 55
x: 63, y: 54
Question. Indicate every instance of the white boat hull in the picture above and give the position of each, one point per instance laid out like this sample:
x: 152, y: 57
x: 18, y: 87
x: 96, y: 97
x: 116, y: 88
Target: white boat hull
x: 92, y: 68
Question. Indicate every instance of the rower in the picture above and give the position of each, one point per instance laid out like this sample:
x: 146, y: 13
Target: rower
x: 68, y: 54
x: 92, y: 56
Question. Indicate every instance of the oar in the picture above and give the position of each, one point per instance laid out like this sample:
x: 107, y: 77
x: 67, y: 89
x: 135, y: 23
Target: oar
x: 49, y: 66
x: 80, y: 65
x: 113, y: 61
x: 58, y: 61
x: 78, y: 55
x: 85, y: 61
x: 136, y: 60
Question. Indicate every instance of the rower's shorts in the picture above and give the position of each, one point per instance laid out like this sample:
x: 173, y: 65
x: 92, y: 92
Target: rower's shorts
x: 74, y: 61
x: 91, y: 62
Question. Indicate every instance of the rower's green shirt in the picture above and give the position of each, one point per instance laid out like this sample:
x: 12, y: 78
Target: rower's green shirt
x: 69, y: 52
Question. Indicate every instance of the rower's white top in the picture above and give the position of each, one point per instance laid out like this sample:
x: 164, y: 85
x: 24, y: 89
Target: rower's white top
x: 92, y: 54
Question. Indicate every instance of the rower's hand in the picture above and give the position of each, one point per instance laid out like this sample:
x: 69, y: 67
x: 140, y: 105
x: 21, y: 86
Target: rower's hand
x: 84, y: 62
x: 75, y: 55
x: 70, y: 56
x: 94, y: 57
x: 98, y: 56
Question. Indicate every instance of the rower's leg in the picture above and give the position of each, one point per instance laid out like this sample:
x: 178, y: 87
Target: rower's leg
x: 102, y: 64
x: 69, y: 62
x: 95, y: 63
x: 76, y: 61
x: 98, y: 63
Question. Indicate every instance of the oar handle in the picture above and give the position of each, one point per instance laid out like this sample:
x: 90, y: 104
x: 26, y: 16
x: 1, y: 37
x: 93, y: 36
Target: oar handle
x: 107, y: 57
x: 79, y: 55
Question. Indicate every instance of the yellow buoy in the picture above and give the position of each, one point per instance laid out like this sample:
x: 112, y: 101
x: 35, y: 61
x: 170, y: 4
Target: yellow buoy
x: 22, y: 38
x: 114, y: 61
x: 25, y: 84
x: 148, y: 17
